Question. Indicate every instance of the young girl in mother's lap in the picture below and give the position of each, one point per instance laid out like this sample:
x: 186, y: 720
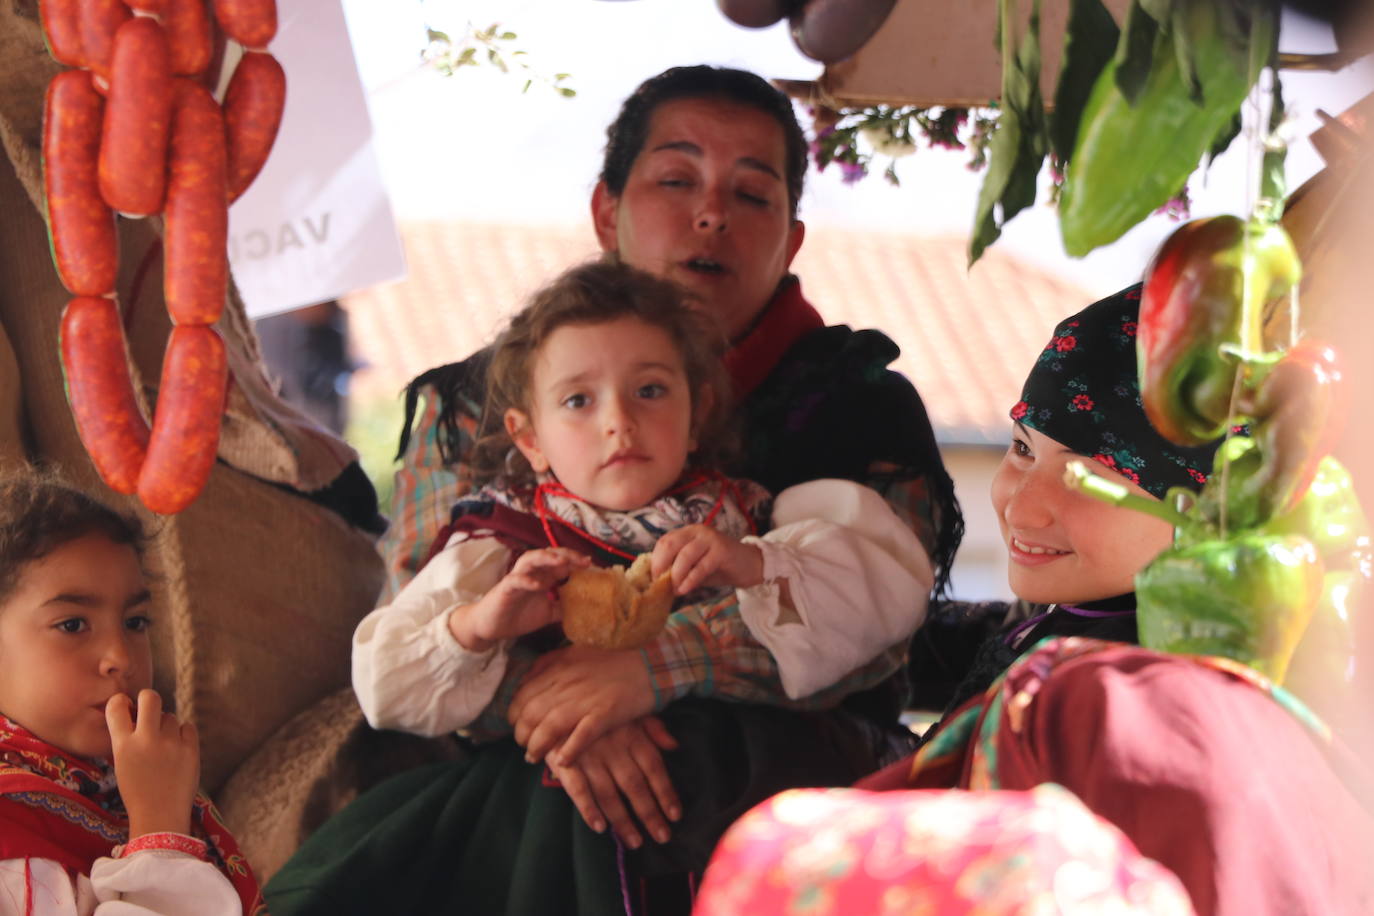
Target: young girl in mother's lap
x: 603, y: 427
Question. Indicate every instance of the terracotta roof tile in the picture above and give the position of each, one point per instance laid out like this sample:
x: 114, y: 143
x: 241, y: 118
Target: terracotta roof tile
x: 966, y: 338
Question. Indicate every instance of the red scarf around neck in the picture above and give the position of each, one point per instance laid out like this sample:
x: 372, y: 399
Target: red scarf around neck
x: 55, y: 805
x: 785, y: 320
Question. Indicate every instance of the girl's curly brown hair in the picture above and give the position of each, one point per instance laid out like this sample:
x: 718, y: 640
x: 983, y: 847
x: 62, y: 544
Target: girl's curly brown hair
x: 594, y: 293
x: 39, y: 513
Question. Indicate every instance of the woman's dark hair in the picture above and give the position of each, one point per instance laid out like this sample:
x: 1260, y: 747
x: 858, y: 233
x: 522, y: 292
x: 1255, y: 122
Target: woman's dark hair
x: 595, y: 293
x: 625, y: 137
x: 39, y: 513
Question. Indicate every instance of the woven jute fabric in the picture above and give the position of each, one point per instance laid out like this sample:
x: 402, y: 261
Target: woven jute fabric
x: 257, y: 588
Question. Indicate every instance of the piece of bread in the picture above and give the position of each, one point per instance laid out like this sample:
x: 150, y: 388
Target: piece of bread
x: 612, y: 608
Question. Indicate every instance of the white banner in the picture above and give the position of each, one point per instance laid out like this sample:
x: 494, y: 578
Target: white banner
x: 316, y: 223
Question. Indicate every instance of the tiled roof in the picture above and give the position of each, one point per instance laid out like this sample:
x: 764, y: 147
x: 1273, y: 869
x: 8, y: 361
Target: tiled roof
x: 967, y: 338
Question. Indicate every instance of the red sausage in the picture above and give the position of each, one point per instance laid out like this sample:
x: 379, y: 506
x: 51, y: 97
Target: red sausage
x: 252, y: 23
x: 99, y: 21
x: 195, y: 375
x: 81, y: 227
x: 253, y: 106
x: 133, y: 145
x: 102, y: 397
x: 196, y: 236
x: 188, y: 36
x: 62, y: 29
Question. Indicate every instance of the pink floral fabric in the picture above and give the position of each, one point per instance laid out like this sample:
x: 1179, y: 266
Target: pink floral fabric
x: 846, y: 852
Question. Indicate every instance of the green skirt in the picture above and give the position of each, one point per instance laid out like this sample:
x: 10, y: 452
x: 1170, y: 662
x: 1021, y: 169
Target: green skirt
x: 481, y: 835
x: 488, y: 834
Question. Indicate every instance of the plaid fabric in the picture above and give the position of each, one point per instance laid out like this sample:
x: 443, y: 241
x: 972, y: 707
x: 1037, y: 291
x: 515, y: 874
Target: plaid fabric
x: 426, y: 489
x: 706, y: 650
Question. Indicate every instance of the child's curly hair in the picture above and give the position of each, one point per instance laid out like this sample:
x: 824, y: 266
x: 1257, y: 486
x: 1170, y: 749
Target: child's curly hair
x: 39, y: 513
x: 594, y: 293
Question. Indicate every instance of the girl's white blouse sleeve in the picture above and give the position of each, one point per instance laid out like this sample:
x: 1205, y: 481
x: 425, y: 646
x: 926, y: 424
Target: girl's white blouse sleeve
x: 858, y: 580
x: 147, y: 883
x: 409, y: 672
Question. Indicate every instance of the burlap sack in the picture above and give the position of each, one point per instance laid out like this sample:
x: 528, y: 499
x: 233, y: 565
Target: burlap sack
x: 12, y: 451
x: 258, y: 589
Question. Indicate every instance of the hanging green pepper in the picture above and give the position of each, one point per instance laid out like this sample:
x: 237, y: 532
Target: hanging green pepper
x: 1131, y: 155
x: 1329, y: 515
x: 1248, y: 598
x: 1200, y: 320
x: 1277, y: 590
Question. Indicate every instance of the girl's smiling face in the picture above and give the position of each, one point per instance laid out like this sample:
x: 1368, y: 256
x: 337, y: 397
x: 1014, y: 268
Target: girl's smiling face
x: 73, y: 633
x: 1066, y: 547
x: 610, y: 412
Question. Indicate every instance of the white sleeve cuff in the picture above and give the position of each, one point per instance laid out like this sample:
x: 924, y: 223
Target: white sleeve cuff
x: 858, y: 579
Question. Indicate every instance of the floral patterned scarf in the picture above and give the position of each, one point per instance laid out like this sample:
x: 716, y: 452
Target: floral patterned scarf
x: 734, y: 507
x: 1083, y: 393
x: 56, y: 805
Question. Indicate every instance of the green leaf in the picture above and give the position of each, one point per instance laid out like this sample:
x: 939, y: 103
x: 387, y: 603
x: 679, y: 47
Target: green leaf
x: 1185, y: 48
x: 1135, y: 51
x: 436, y: 35
x: 1088, y: 39
x: 891, y: 175
x: 1017, y: 150
x: 566, y: 92
x: 507, y: 36
x: 1263, y: 40
x: 1223, y: 139
x: 1130, y: 159
x: 527, y: 85
x: 1159, y: 10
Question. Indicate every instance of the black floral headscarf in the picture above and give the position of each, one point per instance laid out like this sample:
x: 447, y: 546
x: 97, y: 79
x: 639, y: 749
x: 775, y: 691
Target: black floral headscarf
x: 1083, y: 393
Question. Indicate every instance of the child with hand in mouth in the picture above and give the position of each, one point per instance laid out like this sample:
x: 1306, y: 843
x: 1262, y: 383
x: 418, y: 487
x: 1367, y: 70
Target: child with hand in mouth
x: 99, y: 810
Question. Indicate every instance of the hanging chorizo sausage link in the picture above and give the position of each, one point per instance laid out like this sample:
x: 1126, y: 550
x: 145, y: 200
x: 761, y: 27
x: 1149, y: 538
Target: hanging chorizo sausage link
x: 97, y: 372
x: 253, y: 106
x: 154, y: 144
x: 195, y: 241
x: 80, y: 225
x: 133, y: 145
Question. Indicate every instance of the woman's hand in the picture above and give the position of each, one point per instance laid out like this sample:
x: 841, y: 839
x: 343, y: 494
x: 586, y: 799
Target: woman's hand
x: 157, y: 764
x: 520, y: 603
x: 700, y: 555
x: 572, y: 696
x: 626, y: 764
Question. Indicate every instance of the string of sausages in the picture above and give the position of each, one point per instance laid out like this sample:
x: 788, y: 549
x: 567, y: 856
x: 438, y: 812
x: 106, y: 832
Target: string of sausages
x: 132, y: 128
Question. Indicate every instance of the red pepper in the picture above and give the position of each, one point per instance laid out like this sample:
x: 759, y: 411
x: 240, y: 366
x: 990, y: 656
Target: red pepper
x: 1200, y: 320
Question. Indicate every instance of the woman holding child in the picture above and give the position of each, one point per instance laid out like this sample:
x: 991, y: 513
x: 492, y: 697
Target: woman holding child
x: 701, y: 183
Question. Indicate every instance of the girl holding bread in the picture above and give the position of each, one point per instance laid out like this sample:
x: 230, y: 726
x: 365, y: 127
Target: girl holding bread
x: 601, y: 432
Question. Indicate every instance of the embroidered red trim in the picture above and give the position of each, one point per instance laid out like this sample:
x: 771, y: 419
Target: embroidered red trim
x: 174, y: 842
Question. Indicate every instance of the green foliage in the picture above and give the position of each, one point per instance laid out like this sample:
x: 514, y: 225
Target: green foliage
x: 373, y: 428
x: 1136, y: 146
x: 448, y: 56
x: 1018, y: 148
x: 1088, y: 44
